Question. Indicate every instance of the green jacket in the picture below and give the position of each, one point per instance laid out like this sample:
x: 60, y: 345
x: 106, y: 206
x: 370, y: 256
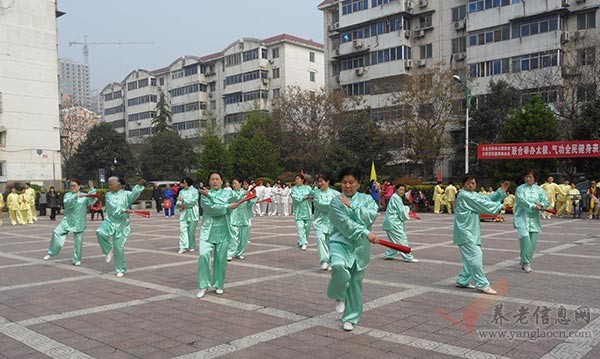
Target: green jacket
x: 527, y: 217
x: 216, y: 227
x: 302, y: 207
x: 322, y: 200
x: 242, y: 215
x: 76, y: 211
x: 469, y: 205
x: 395, y: 215
x: 190, y: 203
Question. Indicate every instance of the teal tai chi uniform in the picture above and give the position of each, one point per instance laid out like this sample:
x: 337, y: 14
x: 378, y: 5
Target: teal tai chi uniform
x: 75, y: 220
x: 527, y: 218
x: 116, y: 224
x: 393, y: 224
x: 467, y: 233
x: 321, y: 222
x: 241, y: 219
x: 215, y: 235
x: 188, y: 217
x: 350, y: 251
x: 302, y: 212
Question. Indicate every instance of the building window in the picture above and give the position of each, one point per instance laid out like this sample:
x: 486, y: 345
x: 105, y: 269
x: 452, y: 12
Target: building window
x: 312, y: 76
x: 264, y: 53
x: 3, y: 170
x: 176, y: 74
x: 276, y: 93
x: 276, y: 73
x: 250, y: 55
x: 586, y: 56
x: 161, y: 81
x: 311, y: 56
x: 275, y: 52
x: 3, y: 139
x: 426, y: 51
x: 459, y: 13
x: 459, y: 45
x: 586, y: 92
x: 190, y: 70
x: 232, y: 60
x: 586, y: 20
x: 132, y: 85
x: 350, y: 6
x: 425, y: 21
x: 142, y: 83
x: 357, y: 89
x: 481, y: 5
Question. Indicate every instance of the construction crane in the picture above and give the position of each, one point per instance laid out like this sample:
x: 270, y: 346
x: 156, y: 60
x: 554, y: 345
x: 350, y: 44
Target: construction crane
x: 86, y: 50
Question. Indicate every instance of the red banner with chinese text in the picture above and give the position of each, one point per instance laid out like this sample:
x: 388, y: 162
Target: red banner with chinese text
x: 558, y: 149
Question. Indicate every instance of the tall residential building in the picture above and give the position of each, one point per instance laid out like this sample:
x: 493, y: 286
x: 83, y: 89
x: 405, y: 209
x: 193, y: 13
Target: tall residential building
x: 74, y: 82
x: 29, y: 96
x: 372, y: 45
x: 218, y: 89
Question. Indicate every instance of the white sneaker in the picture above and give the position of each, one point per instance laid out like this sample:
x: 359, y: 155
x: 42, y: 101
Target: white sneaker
x: 324, y: 265
x: 229, y: 259
x: 108, y: 257
x: 303, y: 248
x: 120, y: 274
x: 487, y: 290
x: 46, y: 257
x: 192, y: 249
x: 329, y: 268
x: 181, y: 251
x: 527, y: 268
x: 340, y: 306
x: 201, y: 293
x: 219, y: 291
x: 241, y: 257
x: 412, y: 260
x: 347, y: 326
x: 77, y: 264
x: 468, y: 286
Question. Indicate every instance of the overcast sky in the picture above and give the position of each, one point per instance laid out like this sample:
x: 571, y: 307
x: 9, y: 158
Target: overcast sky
x: 177, y: 28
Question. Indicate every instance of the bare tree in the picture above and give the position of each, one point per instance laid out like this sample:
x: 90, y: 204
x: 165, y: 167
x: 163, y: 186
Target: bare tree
x: 75, y: 123
x: 426, y: 105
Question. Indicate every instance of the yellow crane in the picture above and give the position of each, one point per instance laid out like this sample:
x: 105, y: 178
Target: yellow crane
x: 86, y: 50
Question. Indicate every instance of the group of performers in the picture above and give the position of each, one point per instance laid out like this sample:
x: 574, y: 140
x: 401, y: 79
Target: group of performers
x: 342, y: 222
x: 21, y: 206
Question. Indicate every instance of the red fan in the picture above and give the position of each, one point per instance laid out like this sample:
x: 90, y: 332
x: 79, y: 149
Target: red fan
x: 92, y: 195
x: 551, y: 211
x: 394, y: 246
x: 413, y: 215
x: 145, y: 214
x: 268, y: 200
x: 248, y: 197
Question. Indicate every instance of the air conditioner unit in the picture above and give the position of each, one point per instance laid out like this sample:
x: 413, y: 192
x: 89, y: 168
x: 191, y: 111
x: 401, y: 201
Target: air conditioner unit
x: 460, y: 56
x: 423, y: 3
x: 265, y: 81
x: 565, y: 3
x: 357, y: 44
x: 459, y: 25
x: 271, y: 61
x: 336, y: 25
x: 422, y: 62
x: 210, y: 94
x: 337, y: 51
x: 139, y: 122
x: 408, y: 64
x: 407, y: 34
x: 409, y: 5
x: 337, y: 79
x: 565, y: 37
x: 359, y: 71
x: 419, y: 33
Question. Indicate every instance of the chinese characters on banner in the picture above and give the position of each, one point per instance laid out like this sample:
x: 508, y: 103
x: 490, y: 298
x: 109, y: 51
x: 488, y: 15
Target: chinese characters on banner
x: 560, y: 149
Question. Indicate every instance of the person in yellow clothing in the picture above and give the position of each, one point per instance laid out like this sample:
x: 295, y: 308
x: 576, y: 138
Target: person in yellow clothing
x: 573, y: 197
x: 24, y: 209
x: 508, y: 203
x: 30, y: 197
x: 14, y: 207
x: 450, y: 197
x: 1, y: 206
x: 561, y: 199
x: 552, y: 190
x: 438, y: 196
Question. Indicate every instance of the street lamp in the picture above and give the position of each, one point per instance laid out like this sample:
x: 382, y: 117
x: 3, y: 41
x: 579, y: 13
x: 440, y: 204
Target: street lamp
x: 468, y: 102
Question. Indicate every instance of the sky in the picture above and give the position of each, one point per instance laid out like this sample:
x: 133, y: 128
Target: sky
x: 176, y: 28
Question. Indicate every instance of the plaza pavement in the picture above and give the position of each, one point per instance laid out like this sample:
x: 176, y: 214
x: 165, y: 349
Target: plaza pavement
x: 275, y: 303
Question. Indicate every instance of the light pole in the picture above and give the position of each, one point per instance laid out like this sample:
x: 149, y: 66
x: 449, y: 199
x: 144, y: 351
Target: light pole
x: 468, y: 103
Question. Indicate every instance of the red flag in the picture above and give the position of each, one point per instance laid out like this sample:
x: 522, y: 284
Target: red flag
x: 92, y: 195
x: 394, y: 246
x: 248, y: 197
x: 439, y: 174
x: 413, y: 215
x: 145, y: 214
x: 269, y: 200
x: 551, y: 211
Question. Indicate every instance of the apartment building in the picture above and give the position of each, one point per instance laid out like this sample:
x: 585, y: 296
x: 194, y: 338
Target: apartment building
x: 29, y: 95
x: 372, y: 45
x: 218, y: 89
x: 74, y: 82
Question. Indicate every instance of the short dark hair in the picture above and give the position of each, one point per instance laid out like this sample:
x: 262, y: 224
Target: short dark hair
x: 75, y: 180
x: 350, y: 171
x: 325, y: 176
x: 187, y: 180
x: 302, y: 177
x: 217, y: 173
x: 468, y: 177
x: 533, y: 172
x: 399, y: 185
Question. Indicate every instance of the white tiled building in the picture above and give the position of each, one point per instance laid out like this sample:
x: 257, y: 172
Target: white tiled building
x: 29, y: 95
x: 74, y: 81
x: 218, y: 89
x: 371, y: 45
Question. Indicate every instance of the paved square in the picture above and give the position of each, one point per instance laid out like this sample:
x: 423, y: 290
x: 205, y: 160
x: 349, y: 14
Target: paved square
x: 275, y: 303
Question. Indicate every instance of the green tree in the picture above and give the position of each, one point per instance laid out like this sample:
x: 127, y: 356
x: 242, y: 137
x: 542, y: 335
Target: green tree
x: 587, y: 127
x: 533, y: 123
x: 214, y: 156
x: 166, y: 156
x: 359, y: 142
x: 252, y: 153
x: 164, y: 116
x: 103, y: 148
